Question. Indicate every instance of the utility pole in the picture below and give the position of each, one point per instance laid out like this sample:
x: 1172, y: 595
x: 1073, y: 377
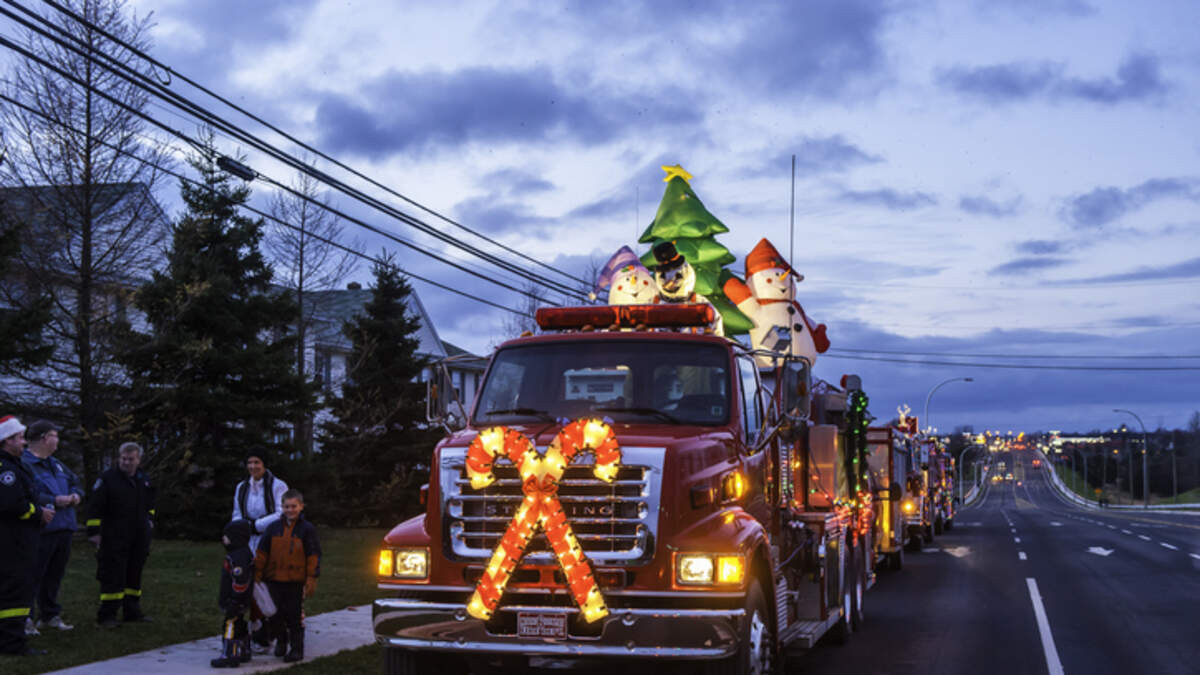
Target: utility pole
x: 1145, y: 459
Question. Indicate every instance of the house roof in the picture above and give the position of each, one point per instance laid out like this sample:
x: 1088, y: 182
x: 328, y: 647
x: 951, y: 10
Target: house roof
x: 332, y: 308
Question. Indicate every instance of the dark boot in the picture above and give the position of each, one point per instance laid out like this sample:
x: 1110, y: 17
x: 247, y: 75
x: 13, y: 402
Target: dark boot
x: 244, y: 644
x: 229, y: 657
x: 297, y: 651
x: 107, y: 616
x: 281, y: 645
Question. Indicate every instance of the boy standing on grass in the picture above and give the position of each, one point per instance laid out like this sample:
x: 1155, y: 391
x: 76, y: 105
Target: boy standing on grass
x: 289, y: 561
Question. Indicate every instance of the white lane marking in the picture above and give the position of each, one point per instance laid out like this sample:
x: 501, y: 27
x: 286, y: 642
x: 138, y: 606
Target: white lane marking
x: 1021, y: 555
x: 1053, y: 664
x: 1112, y: 527
x: 1166, y: 545
x: 1195, y: 555
x: 958, y: 551
x: 1055, y: 523
x: 1126, y: 532
x: 1142, y: 536
x: 1101, y: 551
x: 1017, y: 540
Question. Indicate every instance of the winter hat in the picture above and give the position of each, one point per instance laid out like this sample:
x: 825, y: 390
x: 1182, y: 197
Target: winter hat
x: 10, y: 426
x: 624, y: 257
x: 39, y: 429
x: 764, y: 257
x: 667, y: 255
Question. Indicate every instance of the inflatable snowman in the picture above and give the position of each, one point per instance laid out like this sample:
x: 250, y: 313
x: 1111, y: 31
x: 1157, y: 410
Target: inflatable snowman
x: 676, y: 281
x: 780, y: 323
x: 627, y: 280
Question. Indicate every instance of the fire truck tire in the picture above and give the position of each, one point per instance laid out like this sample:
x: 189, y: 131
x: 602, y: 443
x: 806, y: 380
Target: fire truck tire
x: 949, y: 525
x: 914, y: 540
x: 939, y: 526
x: 858, y: 615
x: 896, y: 560
x: 928, y: 534
x: 756, y: 653
x: 397, y: 661
x: 839, y: 634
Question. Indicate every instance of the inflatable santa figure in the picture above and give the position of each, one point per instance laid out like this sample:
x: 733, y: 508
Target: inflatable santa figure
x: 780, y: 323
x: 676, y: 282
x: 627, y: 279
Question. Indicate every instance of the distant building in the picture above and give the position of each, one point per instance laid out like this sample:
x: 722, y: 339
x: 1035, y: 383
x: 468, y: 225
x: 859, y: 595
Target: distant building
x: 327, y: 349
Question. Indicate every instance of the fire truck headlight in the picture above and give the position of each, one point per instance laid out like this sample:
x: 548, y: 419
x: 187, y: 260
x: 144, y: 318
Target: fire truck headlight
x: 385, y: 562
x: 703, y: 569
x: 412, y: 563
x: 908, y: 506
x: 694, y: 570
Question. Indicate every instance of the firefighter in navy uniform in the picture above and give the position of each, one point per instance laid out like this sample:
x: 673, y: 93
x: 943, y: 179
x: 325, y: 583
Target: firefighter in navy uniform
x: 20, y: 518
x: 120, y: 521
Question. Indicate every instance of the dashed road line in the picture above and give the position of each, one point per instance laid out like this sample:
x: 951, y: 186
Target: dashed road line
x: 1053, y: 663
x: 1126, y: 532
x: 1017, y: 539
x: 1142, y: 536
x: 1195, y: 555
x: 1166, y: 545
x: 1021, y: 555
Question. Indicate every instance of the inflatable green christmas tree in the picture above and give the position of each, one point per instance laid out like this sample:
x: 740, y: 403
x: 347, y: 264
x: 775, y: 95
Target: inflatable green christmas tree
x: 683, y: 220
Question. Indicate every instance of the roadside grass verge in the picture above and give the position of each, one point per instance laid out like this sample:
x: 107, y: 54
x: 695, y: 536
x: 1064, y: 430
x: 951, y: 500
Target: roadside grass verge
x: 368, y: 659
x: 180, y: 595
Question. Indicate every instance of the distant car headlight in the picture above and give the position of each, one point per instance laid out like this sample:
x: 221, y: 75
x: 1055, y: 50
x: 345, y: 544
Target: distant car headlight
x: 706, y: 569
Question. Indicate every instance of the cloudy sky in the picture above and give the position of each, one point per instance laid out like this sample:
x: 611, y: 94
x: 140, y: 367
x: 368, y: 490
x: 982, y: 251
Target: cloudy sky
x: 975, y: 181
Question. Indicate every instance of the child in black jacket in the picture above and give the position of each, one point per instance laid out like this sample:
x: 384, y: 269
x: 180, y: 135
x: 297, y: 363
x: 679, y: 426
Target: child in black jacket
x: 237, y: 587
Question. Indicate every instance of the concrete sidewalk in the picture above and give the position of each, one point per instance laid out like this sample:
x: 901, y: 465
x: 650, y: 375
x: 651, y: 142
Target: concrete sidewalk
x: 324, y: 634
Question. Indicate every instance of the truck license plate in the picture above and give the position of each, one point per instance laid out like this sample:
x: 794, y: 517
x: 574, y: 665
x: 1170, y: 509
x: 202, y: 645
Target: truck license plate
x: 535, y: 625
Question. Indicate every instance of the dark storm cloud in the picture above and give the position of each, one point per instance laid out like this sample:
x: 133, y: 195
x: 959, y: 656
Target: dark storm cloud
x: 1138, y: 78
x: 1106, y: 204
x: 814, y: 155
x: 888, y: 198
x: 516, y: 182
x: 817, y: 48
x: 1187, y: 269
x: 1036, y: 9
x: 1041, y: 247
x: 494, y: 215
x: 1023, y: 265
x: 433, y: 110
x: 984, y: 206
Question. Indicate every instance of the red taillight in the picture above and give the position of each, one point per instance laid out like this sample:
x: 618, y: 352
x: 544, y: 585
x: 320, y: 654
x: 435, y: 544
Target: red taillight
x: 626, y: 316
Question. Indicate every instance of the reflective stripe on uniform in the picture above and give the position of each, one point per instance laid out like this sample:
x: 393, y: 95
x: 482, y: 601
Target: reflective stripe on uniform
x: 133, y: 592
x: 15, y: 612
x: 152, y: 512
x: 32, y: 510
x: 93, y: 522
x: 105, y: 597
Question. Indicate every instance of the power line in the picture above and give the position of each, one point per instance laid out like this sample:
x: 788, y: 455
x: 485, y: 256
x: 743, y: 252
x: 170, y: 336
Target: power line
x: 1011, y: 366
x: 134, y: 50
x: 259, y: 212
x: 180, y: 135
x: 1013, y: 356
x: 158, y: 89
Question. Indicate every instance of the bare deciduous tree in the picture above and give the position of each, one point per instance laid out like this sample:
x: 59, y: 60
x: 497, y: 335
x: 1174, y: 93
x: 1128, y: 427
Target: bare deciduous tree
x: 79, y: 177
x: 307, y: 257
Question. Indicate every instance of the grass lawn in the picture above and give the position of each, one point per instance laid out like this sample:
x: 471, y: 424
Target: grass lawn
x: 368, y: 659
x: 180, y: 594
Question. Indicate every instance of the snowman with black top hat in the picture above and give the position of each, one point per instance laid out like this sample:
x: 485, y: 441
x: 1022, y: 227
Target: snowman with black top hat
x: 677, y: 282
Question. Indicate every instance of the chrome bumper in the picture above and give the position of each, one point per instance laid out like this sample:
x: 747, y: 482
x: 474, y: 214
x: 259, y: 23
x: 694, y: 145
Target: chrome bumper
x: 639, y: 633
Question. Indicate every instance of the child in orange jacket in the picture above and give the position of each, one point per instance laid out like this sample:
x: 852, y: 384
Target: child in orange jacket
x: 289, y: 561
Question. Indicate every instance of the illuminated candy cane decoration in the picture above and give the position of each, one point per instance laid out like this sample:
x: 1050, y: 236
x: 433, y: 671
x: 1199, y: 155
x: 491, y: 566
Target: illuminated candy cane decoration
x: 540, y: 508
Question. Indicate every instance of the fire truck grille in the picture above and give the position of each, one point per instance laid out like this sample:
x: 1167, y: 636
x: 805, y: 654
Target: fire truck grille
x: 613, y: 522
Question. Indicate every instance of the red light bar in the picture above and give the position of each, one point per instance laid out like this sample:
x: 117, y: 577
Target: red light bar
x: 626, y: 316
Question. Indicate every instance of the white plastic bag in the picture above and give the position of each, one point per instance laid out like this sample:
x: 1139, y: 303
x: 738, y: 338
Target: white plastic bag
x: 262, y: 598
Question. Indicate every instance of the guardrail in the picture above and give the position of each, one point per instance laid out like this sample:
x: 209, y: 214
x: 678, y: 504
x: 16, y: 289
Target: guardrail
x: 1070, y: 495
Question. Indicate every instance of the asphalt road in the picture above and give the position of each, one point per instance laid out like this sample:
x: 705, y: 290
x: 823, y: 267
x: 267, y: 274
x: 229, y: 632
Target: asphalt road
x: 1026, y: 583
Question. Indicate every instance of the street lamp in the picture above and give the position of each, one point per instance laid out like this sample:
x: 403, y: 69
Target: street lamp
x: 962, y: 469
x: 939, y: 386
x: 1145, y: 452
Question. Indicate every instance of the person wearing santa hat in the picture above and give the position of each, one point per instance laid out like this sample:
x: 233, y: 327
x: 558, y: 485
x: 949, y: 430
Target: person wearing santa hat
x: 20, y: 518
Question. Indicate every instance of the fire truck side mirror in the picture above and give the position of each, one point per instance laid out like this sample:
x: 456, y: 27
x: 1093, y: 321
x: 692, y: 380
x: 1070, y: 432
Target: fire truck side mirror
x: 796, y: 389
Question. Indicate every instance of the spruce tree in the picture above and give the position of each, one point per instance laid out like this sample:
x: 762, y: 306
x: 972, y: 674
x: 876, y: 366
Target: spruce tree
x: 378, y: 447
x: 214, y: 378
x: 683, y: 220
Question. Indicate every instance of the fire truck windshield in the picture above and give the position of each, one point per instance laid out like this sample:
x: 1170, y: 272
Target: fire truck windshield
x: 626, y: 380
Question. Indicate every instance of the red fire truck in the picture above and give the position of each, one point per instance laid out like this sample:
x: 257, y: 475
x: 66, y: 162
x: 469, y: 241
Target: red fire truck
x: 626, y: 488
x: 890, y: 461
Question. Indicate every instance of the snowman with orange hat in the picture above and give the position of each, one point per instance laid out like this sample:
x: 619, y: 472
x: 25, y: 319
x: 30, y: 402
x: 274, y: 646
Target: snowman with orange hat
x: 779, y: 321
